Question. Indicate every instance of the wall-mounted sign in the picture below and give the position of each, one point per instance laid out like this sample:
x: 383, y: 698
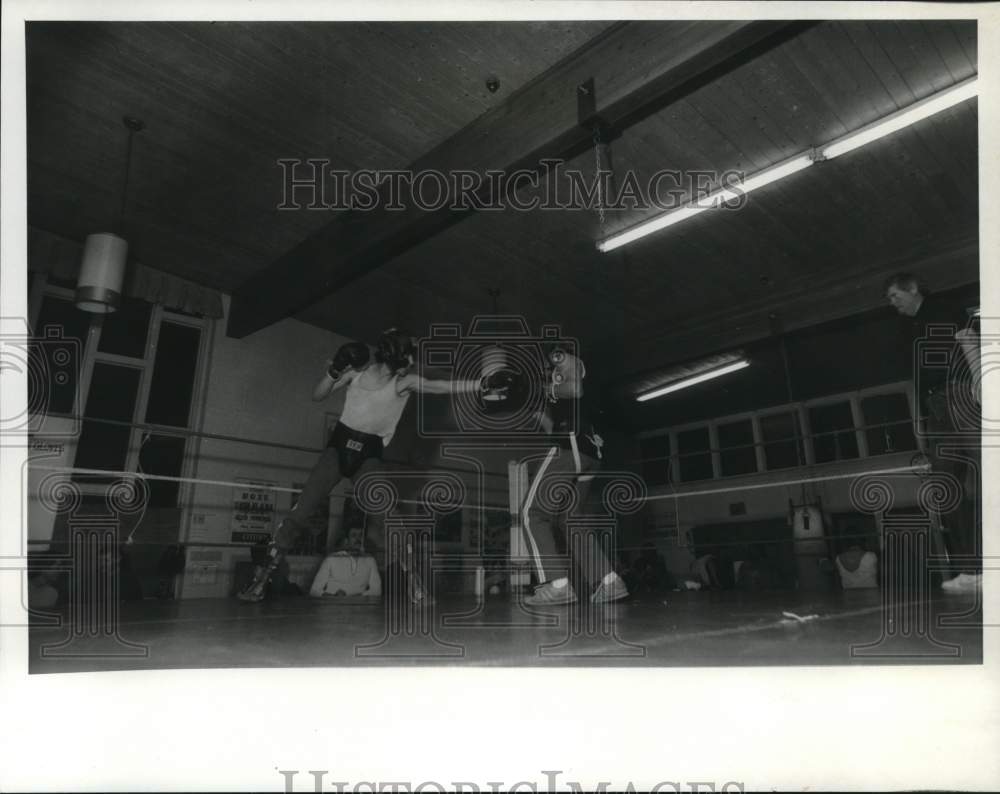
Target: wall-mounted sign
x: 253, y: 512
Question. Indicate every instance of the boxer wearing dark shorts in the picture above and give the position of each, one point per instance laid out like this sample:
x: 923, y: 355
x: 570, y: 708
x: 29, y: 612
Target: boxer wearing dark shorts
x: 376, y: 395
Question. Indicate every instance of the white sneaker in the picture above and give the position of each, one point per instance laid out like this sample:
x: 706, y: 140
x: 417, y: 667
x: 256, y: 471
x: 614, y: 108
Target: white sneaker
x: 963, y: 583
x: 547, y: 594
x: 608, y: 592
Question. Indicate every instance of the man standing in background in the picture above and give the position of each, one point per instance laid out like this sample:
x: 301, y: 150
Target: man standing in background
x: 945, y: 390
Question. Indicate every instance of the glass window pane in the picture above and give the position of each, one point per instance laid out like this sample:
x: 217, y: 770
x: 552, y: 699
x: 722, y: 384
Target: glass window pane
x: 736, y: 448
x: 163, y: 455
x: 833, y: 432
x: 779, y: 431
x: 655, y: 453
x: 102, y: 447
x: 55, y: 356
x: 124, y: 332
x: 694, y: 457
x: 888, y: 423
x: 173, y: 375
x: 113, y: 391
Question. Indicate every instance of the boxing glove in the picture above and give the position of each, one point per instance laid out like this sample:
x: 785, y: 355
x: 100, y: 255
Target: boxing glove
x: 497, y: 385
x: 353, y: 354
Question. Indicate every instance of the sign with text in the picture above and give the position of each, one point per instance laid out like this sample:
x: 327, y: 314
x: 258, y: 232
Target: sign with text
x: 253, y: 512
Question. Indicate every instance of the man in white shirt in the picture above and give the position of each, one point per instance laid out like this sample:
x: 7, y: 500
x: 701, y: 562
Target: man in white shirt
x: 350, y: 571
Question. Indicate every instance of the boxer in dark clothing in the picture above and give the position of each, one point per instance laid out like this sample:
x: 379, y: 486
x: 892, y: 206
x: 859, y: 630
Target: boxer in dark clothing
x: 574, y: 458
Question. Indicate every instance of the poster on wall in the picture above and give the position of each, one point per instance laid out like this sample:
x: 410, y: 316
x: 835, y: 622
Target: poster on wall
x: 253, y: 512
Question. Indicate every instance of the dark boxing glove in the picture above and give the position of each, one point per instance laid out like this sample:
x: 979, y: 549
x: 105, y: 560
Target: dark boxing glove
x: 353, y: 354
x: 497, y: 385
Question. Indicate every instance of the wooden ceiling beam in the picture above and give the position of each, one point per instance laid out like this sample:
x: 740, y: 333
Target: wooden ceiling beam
x: 637, y: 68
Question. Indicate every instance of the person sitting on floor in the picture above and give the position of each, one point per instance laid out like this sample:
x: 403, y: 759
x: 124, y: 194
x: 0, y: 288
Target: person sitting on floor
x: 858, y: 568
x: 704, y: 574
x: 349, y: 571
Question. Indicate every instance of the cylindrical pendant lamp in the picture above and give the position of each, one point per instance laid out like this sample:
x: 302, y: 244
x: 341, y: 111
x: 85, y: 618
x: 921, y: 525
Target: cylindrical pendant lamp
x: 102, y: 273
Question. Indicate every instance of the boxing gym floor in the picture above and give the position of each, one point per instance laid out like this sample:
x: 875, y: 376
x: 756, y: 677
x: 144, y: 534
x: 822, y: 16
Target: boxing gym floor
x: 674, y: 629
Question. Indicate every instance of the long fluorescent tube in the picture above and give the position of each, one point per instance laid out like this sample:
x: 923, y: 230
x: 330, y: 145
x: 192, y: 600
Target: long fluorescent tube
x: 714, y: 199
x: 896, y: 121
x: 700, y: 378
x: 903, y: 118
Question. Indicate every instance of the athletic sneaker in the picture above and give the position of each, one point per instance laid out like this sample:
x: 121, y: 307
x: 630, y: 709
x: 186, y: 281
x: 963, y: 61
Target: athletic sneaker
x: 416, y: 591
x: 606, y: 593
x: 254, y: 592
x: 548, y: 594
x: 963, y: 583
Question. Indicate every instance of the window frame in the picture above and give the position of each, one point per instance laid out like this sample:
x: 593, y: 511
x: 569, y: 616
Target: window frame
x: 754, y: 420
x: 801, y: 410
x: 798, y: 409
x: 669, y: 459
x: 40, y: 288
x: 854, y: 404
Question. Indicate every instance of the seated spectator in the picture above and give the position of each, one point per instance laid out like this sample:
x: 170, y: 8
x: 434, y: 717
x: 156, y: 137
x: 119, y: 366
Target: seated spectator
x: 858, y: 568
x: 349, y: 571
x: 705, y: 572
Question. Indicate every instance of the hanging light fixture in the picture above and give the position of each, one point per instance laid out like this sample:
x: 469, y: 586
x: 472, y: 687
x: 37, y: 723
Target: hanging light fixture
x: 102, y: 271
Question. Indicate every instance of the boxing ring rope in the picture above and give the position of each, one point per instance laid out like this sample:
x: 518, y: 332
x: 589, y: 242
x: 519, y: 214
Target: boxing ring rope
x: 284, y: 489
x: 176, y: 431
x: 172, y: 430
x: 911, y: 469
x: 124, y: 475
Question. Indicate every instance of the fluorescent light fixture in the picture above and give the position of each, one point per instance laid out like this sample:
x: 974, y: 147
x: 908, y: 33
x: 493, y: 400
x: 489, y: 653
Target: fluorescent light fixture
x: 903, y: 118
x: 699, y: 378
x: 714, y: 199
x: 896, y: 121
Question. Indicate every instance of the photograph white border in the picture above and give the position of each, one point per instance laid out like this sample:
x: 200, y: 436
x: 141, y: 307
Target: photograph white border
x: 850, y: 728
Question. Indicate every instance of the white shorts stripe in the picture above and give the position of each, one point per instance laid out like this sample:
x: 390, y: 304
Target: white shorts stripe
x: 525, y: 521
x: 576, y: 452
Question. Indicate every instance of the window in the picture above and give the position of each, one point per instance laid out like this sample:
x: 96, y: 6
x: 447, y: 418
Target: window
x: 737, y: 453
x: 54, y: 366
x: 694, y: 455
x: 835, y: 427
x: 174, y: 372
x: 137, y: 365
x: 113, y: 393
x: 124, y: 332
x: 832, y: 430
x: 655, y: 452
x: 782, y: 437
x: 888, y: 423
x: 163, y: 455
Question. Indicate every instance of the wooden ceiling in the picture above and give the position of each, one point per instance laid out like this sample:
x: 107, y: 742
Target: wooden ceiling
x: 223, y: 102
